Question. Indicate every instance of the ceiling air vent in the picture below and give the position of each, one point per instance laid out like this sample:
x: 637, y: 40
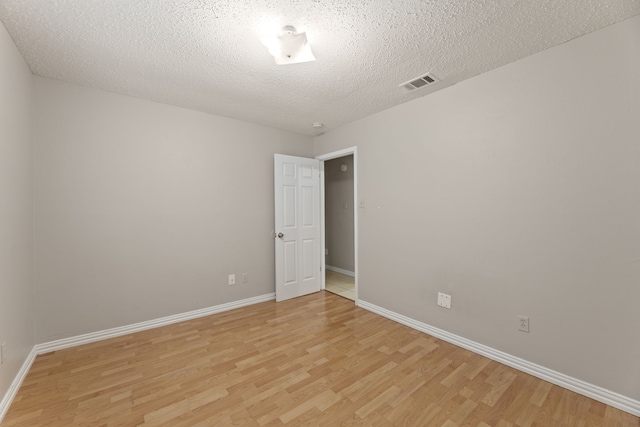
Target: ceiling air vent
x: 419, y: 82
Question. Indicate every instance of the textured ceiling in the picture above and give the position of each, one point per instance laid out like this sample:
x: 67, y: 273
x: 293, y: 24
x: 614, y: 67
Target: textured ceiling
x: 207, y: 55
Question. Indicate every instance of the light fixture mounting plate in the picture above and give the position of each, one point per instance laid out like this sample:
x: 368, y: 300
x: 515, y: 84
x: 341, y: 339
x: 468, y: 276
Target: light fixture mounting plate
x: 288, y: 29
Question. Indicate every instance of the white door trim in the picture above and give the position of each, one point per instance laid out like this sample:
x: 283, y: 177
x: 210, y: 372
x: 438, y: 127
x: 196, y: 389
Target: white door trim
x: 323, y: 158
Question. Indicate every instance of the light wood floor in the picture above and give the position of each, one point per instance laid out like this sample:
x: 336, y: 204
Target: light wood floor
x: 316, y: 360
x: 340, y: 284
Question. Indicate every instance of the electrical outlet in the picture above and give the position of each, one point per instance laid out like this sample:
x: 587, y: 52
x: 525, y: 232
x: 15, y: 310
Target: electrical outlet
x: 232, y: 279
x: 326, y: 251
x: 245, y: 277
x: 444, y: 300
x: 2, y: 352
x: 523, y: 323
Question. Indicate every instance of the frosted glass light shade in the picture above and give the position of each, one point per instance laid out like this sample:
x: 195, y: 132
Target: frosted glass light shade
x: 289, y: 48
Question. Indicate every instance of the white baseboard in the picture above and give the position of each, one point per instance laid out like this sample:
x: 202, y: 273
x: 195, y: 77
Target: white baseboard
x: 116, y: 332
x: 600, y: 394
x: 150, y: 324
x: 340, y: 270
x: 17, y: 382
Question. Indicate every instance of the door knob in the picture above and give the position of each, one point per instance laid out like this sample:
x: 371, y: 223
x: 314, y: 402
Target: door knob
x: 280, y: 235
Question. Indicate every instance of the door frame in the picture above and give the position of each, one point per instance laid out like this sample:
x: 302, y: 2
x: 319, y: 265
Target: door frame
x: 323, y: 158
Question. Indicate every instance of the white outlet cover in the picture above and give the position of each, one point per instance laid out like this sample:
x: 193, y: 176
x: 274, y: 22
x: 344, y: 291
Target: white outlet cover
x: 444, y: 300
x: 523, y: 323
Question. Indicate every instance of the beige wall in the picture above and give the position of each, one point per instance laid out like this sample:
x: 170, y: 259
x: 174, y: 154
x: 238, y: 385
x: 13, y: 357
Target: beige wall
x: 16, y: 246
x: 517, y: 192
x: 338, y: 193
x: 143, y: 209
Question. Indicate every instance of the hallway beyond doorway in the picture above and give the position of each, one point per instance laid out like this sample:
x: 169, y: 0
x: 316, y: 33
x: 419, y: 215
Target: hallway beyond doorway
x: 340, y: 284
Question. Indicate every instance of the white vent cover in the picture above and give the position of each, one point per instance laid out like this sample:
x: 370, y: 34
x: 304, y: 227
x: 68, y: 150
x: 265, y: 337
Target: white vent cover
x: 420, y: 82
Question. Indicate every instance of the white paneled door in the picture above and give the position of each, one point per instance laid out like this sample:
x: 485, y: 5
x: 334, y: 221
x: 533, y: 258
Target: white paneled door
x: 297, y: 227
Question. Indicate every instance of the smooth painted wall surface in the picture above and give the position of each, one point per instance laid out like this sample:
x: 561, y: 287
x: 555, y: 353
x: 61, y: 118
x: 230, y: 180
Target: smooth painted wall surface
x: 16, y: 219
x: 518, y: 193
x: 144, y: 209
x: 338, y: 193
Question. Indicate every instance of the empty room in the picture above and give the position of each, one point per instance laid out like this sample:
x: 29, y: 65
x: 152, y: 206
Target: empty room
x: 374, y: 213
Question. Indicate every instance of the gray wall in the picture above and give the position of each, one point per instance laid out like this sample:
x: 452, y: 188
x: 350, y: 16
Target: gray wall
x: 517, y: 192
x: 16, y: 221
x: 143, y: 209
x: 339, y: 213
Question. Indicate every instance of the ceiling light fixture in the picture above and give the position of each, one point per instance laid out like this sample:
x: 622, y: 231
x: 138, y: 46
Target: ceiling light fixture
x: 289, y: 47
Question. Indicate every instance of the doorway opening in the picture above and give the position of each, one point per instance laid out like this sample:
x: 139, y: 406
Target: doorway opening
x: 339, y: 222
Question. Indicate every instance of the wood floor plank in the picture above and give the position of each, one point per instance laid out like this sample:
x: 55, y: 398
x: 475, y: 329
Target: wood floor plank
x: 313, y: 361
